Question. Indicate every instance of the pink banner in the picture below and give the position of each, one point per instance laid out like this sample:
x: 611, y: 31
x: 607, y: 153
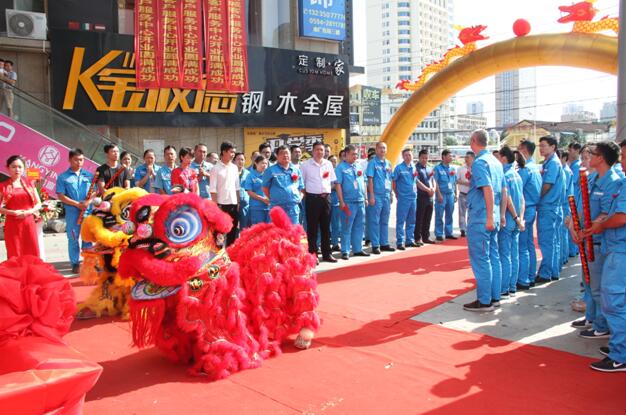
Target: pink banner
x: 39, y: 151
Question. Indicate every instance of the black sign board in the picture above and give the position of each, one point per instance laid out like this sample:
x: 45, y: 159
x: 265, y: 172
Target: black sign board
x: 94, y: 82
x: 370, y: 99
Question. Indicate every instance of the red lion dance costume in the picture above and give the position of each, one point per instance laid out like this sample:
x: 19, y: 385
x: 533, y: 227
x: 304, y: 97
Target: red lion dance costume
x: 222, y: 311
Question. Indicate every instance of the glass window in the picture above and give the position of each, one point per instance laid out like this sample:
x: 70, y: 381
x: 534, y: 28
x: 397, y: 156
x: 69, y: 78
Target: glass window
x: 401, y: 41
x: 404, y: 31
x: 405, y: 68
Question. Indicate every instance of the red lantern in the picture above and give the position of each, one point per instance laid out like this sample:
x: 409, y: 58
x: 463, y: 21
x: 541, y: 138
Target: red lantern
x: 521, y: 27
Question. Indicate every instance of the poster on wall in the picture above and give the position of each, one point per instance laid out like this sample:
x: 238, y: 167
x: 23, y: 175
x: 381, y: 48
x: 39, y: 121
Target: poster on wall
x: 302, y: 137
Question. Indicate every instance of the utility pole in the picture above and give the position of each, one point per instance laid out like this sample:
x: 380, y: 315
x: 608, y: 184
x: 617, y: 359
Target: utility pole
x: 620, y: 130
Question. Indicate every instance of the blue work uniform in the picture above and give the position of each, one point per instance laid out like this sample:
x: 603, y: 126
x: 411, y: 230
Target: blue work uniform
x: 613, y: 289
x: 445, y: 176
x: 548, y: 214
x: 203, y: 184
x: 568, y: 189
x: 483, y: 244
x: 601, y: 191
x: 531, y: 182
x: 74, y: 185
x: 259, y: 211
x: 378, y: 215
x: 508, y: 236
x: 163, y: 180
x: 140, y: 173
x: 352, y: 182
x: 335, y: 218
x: 244, y: 201
x: 285, y: 189
x: 575, y: 168
x: 405, y: 177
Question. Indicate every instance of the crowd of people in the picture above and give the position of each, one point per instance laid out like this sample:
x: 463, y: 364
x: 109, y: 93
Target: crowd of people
x: 344, y: 204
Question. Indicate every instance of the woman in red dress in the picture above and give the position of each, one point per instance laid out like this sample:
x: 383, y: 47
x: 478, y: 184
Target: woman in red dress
x: 184, y: 178
x: 20, y: 205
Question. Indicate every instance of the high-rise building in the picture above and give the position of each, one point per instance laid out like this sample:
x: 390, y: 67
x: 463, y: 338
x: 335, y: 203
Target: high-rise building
x: 608, y: 111
x: 516, y: 96
x: 476, y: 108
x: 402, y: 38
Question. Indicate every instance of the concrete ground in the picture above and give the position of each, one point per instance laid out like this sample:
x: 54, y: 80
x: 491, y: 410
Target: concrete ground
x: 541, y: 316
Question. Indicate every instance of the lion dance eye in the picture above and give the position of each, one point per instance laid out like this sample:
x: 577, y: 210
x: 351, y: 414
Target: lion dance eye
x: 183, y: 226
x: 125, y: 213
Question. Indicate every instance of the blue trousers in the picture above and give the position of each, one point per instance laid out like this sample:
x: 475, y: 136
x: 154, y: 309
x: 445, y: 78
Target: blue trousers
x: 595, y: 283
x: 548, y: 239
x: 508, y: 248
x: 485, y: 261
x: 527, y: 254
x: 573, y: 248
x: 446, y: 207
x: 557, y: 263
x: 335, y: 225
x: 405, y: 214
x: 352, y: 228
x: 292, y: 210
x: 244, y: 216
x: 564, y: 242
x: 613, y: 296
x: 73, y: 234
x: 259, y: 216
x: 378, y: 220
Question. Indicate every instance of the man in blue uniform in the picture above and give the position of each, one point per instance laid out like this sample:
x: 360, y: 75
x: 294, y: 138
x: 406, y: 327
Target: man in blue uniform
x: 163, y: 181
x: 146, y: 173
x: 350, y: 186
x: 283, y: 184
x: 445, y: 176
x: 548, y: 211
x: 574, y: 165
x: 203, y: 169
x: 405, y: 188
x: 485, y: 210
x: 244, y: 198
x: 379, y: 197
x: 613, y: 288
x: 531, y: 183
x: 602, y: 186
x: 508, y: 236
x: 568, y: 189
x: 72, y: 187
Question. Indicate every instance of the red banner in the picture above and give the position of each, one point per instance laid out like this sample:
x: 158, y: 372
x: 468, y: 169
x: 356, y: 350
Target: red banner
x: 146, y: 43
x: 238, y: 51
x: 216, y: 45
x: 169, y: 44
x: 191, y: 28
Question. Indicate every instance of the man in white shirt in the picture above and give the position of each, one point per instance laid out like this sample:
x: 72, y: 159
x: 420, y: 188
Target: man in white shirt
x: 463, y: 183
x: 224, y: 186
x: 318, y: 175
x: 10, y: 79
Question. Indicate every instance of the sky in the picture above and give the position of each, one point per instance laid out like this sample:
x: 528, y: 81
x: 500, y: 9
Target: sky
x: 556, y: 86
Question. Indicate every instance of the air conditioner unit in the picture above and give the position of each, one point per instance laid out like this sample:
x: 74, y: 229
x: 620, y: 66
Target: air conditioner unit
x: 27, y: 25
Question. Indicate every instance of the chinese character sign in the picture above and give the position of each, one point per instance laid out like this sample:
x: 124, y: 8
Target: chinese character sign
x: 323, y: 19
x: 191, y: 30
x: 146, y: 43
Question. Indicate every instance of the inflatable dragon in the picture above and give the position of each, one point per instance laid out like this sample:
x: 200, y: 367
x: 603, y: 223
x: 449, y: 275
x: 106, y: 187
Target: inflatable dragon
x: 582, y: 14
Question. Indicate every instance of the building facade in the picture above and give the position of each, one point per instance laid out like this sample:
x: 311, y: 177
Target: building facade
x: 516, y: 96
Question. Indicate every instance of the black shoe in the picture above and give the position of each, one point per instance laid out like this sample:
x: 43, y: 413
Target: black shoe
x: 317, y: 260
x: 522, y: 287
x: 495, y: 303
x: 505, y: 294
x: 336, y: 248
x: 451, y: 237
x: 318, y: 252
x: 412, y: 245
x: 75, y: 269
x: 439, y: 238
x: 345, y: 256
x: 477, y: 306
x: 541, y: 280
x: 401, y: 247
x: 367, y: 243
x: 604, y: 351
x: 387, y: 248
x: 554, y: 278
x: 361, y: 254
x: 462, y: 234
x: 583, y: 324
x: 329, y: 259
x: 609, y: 365
x: 375, y: 251
x: 531, y: 284
x: 594, y: 334
x: 428, y: 241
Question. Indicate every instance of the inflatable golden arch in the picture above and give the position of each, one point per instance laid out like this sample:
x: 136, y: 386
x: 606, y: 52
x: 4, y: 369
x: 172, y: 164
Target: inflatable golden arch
x: 581, y: 50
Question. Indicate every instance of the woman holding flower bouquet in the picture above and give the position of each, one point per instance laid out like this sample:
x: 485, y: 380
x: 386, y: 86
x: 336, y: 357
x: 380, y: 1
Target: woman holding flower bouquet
x: 20, y: 205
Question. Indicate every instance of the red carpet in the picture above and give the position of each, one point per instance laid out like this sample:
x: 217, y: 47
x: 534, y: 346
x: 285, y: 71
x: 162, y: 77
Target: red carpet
x: 368, y: 358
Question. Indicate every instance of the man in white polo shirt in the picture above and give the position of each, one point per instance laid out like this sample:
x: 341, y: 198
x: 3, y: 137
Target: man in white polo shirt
x: 224, y: 186
x: 463, y: 183
x: 318, y: 175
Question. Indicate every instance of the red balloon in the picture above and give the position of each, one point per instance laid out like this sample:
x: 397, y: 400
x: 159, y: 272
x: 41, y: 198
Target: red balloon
x: 521, y: 27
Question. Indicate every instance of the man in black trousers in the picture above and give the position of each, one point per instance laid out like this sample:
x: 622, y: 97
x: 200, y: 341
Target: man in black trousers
x: 318, y: 175
x: 425, y: 193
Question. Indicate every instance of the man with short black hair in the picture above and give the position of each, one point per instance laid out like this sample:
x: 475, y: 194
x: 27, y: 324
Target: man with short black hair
x: 405, y: 188
x: 72, y: 189
x: 379, y: 198
x: 283, y: 184
x: 463, y: 182
x: 445, y: 176
x: 296, y: 155
x: 574, y: 165
x: 202, y: 168
x: 327, y: 151
x: 425, y: 193
x: 224, y: 187
x: 109, y: 170
x: 163, y: 181
x: 10, y: 79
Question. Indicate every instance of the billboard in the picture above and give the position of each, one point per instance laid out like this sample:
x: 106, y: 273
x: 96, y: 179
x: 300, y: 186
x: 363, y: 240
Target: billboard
x: 370, y: 101
x: 322, y: 19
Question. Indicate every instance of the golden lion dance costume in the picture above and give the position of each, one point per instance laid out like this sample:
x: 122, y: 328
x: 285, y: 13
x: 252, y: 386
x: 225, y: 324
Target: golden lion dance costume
x: 109, y: 229
x: 220, y: 311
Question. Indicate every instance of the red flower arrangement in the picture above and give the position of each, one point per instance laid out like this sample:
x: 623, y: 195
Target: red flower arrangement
x: 414, y: 174
x: 468, y: 175
x: 294, y: 177
x: 359, y: 173
x: 325, y: 175
x: 452, y: 172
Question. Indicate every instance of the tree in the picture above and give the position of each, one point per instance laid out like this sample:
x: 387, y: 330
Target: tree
x: 449, y: 141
